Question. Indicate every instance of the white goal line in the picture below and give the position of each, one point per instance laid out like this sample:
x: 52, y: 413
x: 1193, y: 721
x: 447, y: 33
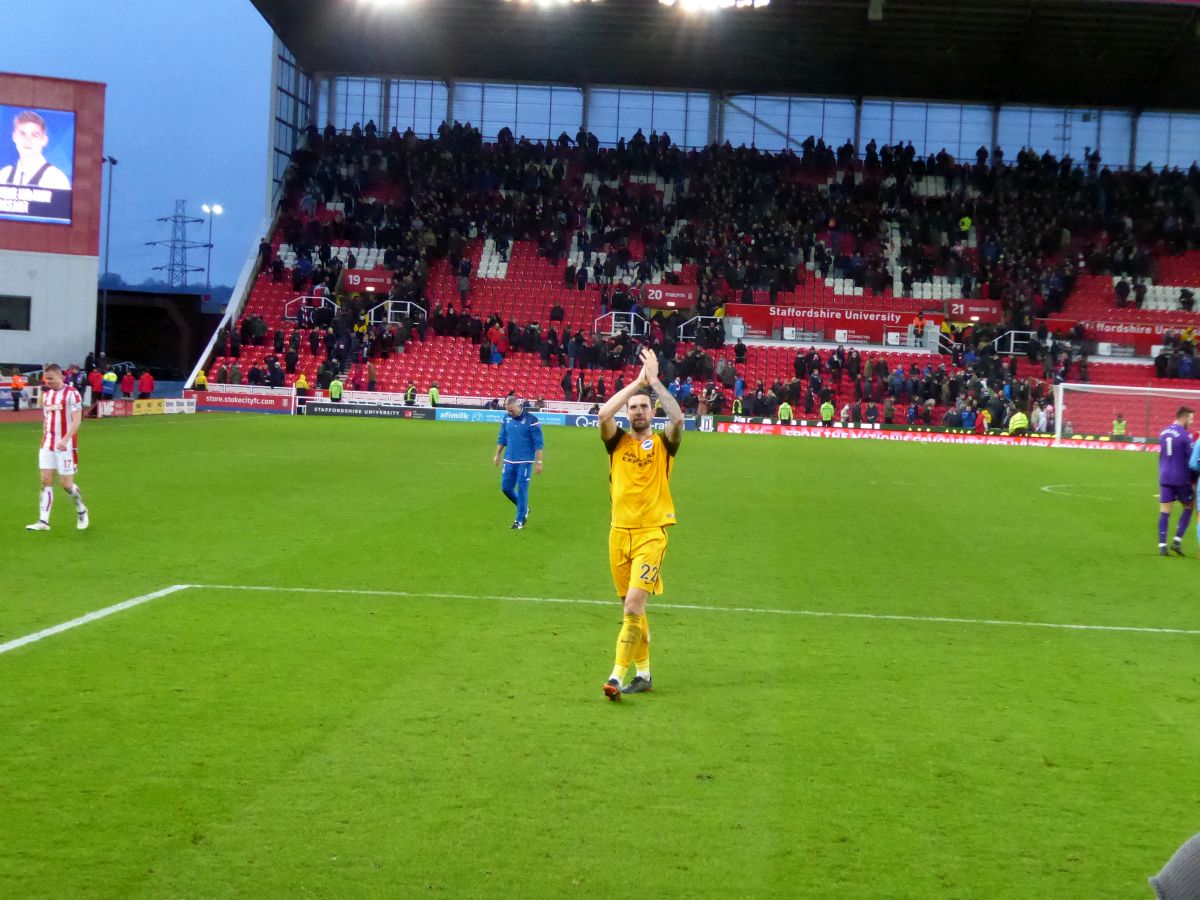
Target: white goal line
x: 17, y: 643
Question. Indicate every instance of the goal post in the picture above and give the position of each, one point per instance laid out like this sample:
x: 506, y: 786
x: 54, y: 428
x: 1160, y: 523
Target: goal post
x: 1090, y: 409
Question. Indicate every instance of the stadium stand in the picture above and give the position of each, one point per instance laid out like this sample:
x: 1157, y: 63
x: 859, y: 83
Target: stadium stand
x: 518, y: 247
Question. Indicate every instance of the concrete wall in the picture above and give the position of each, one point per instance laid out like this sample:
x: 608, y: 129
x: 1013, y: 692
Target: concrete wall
x: 62, y: 315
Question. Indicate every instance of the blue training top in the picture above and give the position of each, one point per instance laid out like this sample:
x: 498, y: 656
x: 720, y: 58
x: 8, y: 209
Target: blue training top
x: 521, y: 437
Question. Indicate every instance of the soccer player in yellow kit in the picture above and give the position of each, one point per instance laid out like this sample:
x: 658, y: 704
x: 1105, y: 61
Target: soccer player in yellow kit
x: 639, y: 470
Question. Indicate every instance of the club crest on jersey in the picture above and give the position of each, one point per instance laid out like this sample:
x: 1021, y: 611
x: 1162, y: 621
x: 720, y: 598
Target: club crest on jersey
x: 648, y: 444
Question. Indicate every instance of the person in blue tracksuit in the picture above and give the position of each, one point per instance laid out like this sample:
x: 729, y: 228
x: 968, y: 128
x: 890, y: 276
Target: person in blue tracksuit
x: 520, y: 448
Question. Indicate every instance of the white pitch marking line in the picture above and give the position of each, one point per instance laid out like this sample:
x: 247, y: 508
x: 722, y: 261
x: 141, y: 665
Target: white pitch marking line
x: 819, y: 614
x: 16, y: 643
x: 90, y: 617
x: 1054, y: 488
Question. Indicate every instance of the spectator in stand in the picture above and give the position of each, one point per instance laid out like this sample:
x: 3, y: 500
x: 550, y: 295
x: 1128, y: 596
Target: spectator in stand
x: 1018, y: 423
x: 95, y: 380
x: 768, y: 404
x: 145, y: 385
x: 686, y: 392
x: 127, y: 384
x: 235, y: 374
x: 1038, y: 420
x: 17, y: 389
x: 1122, y: 293
x: 464, y: 287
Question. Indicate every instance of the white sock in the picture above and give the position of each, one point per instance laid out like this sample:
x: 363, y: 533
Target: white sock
x: 46, y: 504
x: 643, y: 673
x: 75, y: 495
x: 617, y: 673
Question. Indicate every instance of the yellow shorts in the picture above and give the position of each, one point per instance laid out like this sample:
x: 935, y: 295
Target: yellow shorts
x: 635, y: 556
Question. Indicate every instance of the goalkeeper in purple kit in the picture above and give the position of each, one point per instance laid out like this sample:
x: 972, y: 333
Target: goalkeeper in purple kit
x: 1176, y: 481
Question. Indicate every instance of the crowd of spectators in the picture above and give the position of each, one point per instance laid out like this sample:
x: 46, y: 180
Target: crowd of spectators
x: 1177, y: 356
x: 97, y: 379
x: 987, y: 388
x: 744, y: 219
x: 737, y: 221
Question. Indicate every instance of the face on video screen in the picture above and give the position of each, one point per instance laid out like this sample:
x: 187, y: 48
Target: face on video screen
x: 36, y: 168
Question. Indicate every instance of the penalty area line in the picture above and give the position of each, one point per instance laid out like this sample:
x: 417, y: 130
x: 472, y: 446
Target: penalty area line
x: 16, y: 643
x: 695, y: 607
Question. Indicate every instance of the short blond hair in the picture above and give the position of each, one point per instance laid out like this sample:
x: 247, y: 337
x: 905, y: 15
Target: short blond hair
x: 28, y: 116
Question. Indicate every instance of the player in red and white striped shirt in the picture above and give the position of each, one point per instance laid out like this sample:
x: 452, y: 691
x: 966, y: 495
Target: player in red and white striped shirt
x: 62, y: 410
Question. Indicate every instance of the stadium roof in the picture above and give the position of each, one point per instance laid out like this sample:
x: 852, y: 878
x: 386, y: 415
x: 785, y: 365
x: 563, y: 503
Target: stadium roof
x: 1063, y: 52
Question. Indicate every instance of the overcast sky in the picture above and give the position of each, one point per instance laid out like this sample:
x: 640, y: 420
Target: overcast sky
x: 186, y: 116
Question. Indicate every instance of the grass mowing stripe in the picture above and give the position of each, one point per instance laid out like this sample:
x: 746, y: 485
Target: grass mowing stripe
x: 90, y: 617
x: 821, y: 614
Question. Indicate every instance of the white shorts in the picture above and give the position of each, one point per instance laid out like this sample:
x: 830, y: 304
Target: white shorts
x: 65, y: 461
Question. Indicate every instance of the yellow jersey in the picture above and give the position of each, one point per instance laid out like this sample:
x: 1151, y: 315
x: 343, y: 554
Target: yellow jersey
x: 639, y: 472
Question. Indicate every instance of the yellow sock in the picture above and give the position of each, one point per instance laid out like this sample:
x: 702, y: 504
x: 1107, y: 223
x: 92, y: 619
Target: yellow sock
x: 628, y: 641
x: 642, y: 658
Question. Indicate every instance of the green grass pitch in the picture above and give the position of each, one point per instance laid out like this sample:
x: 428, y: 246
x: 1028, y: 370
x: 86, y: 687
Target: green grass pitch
x: 222, y: 743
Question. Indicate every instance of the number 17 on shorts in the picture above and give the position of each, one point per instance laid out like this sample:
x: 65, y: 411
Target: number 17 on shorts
x: 62, y: 461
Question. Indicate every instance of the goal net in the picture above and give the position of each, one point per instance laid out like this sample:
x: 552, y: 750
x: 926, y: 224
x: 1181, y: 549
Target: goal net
x: 1091, y: 409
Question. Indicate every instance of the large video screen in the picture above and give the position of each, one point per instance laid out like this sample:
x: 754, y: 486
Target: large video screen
x: 37, y: 164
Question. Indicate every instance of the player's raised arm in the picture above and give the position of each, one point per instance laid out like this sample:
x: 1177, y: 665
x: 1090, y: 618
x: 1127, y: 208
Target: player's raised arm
x: 615, y: 403
x: 674, y: 430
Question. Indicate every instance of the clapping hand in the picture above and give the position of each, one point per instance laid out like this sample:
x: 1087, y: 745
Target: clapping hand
x: 649, y: 368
